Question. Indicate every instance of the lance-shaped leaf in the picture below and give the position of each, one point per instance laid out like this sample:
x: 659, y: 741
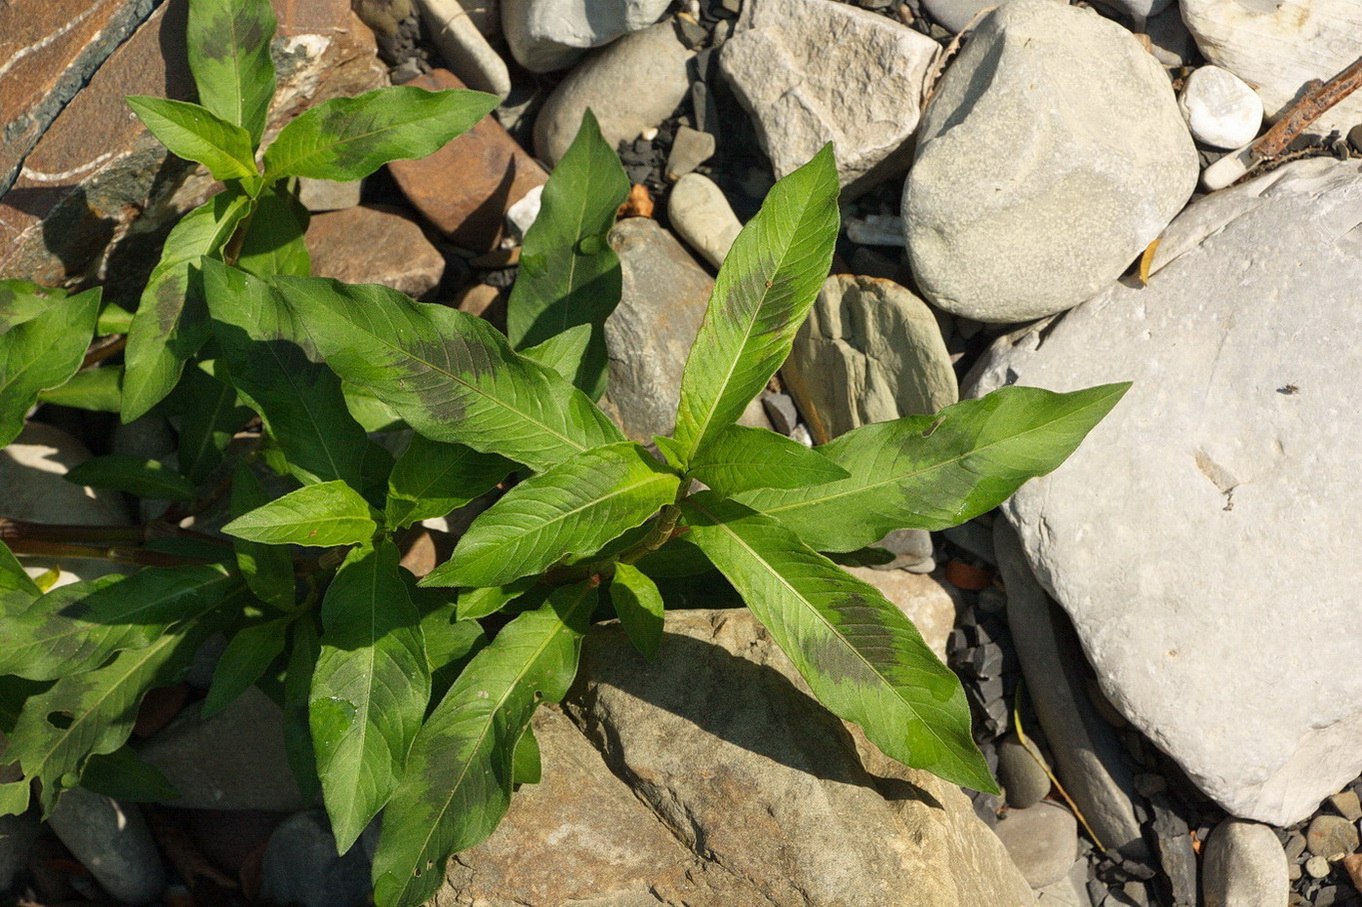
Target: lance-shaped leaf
x: 93, y: 712
x: 349, y: 138
x: 319, y: 516
x: 97, y: 389
x: 562, y: 352
x: 209, y: 418
x: 274, y: 241
x: 457, y: 783
x: 639, y: 607
x: 861, y: 656
x: 450, y: 644
x: 171, y: 322
x: 369, y: 689
x: 124, y: 775
x: 481, y: 601
x: 229, y: 55
x: 569, y: 275
x: 42, y: 352
x: 432, y: 478
x: 77, y: 627
x: 267, y: 569
x: 17, y: 590
x: 739, y: 458
x: 931, y: 472
x: 305, y: 647
x: 124, y: 472
x: 449, y: 374
x: 197, y: 134
x: 762, y: 294
x: 248, y: 654
x: 573, y: 508
x: 300, y: 400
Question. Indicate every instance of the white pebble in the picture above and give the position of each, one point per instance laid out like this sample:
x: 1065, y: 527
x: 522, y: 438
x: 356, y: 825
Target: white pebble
x: 1228, y: 169
x: 648, y: 134
x: 1318, y: 867
x: 1221, y: 109
x: 521, y: 215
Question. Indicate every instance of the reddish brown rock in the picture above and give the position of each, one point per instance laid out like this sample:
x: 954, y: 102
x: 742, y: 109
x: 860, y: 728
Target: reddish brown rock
x: 373, y: 245
x: 465, y: 188
x: 93, y: 170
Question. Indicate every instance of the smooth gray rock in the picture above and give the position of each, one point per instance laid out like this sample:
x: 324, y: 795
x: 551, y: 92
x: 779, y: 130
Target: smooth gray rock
x: 545, y: 35
x: 1021, y: 772
x: 1042, y: 840
x: 1221, y: 109
x: 1331, y: 836
x: 701, y: 215
x: 1070, y: 891
x: 1050, y: 155
x: 1089, y: 759
x: 690, y: 149
x: 110, y: 839
x: 301, y: 865
x: 328, y: 195
x: 954, y: 15
x: 812, y: 72
x: 1237, y: 437
x: 1244, y: 866
x: 913, y: 550
x: 233, y: 760
x: 870, y: 351
x: 630, y: 85
x: 720, y: 739
x: 465, y: 51
x: 1279, y: 47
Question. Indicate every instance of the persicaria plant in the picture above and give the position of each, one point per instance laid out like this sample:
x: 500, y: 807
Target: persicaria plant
x: 413, y: 697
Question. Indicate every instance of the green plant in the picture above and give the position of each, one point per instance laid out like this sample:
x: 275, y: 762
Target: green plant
x: 414, y: 698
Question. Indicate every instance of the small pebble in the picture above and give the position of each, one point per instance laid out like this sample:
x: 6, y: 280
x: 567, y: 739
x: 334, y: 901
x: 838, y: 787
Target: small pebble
x: 1221, y: 109
x: 1318, y: 867
x: 1228, y: 169
x: 1021, y: 771
x: 690, y: 149
x: 1347, y: 804
x: 1331, y: 836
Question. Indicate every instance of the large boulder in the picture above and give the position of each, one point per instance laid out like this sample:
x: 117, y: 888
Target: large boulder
x: 711, y: 778
x: 1202, y: 537
x: 1051, y: 154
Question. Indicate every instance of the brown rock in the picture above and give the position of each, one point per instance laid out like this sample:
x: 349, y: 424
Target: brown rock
x: 465, y: 188
x: 374, y: 245
x: 485, y: 301
x: 93, y: 171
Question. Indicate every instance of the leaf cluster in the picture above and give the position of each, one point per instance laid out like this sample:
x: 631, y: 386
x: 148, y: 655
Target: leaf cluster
x: 414, y: 698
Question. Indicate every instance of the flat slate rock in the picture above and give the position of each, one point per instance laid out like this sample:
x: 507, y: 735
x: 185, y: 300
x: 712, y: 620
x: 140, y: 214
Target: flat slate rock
x: 1208, y: 525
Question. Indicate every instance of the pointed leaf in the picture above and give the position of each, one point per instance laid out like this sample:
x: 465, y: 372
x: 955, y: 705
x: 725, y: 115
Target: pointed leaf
x: 449, y: 374
x: 763, y: 292
x: 229, y: 55
x: 17, y: 591
x: 248, y: 654
x: 122, y: 472
x: 931, y: 472
x: 274, y: 242
x: 369, y: 690
x: 639, y: 607
x: 450, y: 642
x: 267, y: 569
x: 573, y: 508
x: 349, y: 138
x: 482, y: 601
x: 861, y: 656
x: 42, y: 352
x: 319, y: 516
x: 197, y: 134
x: 562, y: 352
x: 124, y: 775
x: 741, y: 458
x: 171, y: 322
x: 299, y: 399
x: 432, y: 478
x: 97, y: 389
x: 22, y: 300
x: 457, y: 784
x: 527, y: 766
x: 569, y: 275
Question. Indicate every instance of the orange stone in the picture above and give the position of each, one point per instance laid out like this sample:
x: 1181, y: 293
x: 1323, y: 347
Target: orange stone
x: 465, y: 188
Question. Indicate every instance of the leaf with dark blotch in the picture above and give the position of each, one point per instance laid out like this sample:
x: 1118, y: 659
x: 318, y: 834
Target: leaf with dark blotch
x: 171, y: 321
x: 432, y: 478
x: 77, y: 627
x: 271, y: 365
x: 124, y: 472
x: 23, y: 300
x: 460, y: 770
x: 349, y: 138
x: 932, y: 472
x: 267, y: 569
x: 861, y: 656
x: 274, y: 241
x: 639, y: 607
x: 739, y: 458
x: 197, y: 134
x: 449, y: 374
x: 318, y: 516
x: 764, y: 290
x: 572, y: 509
x: 569, y: 275
x: 248, y: 654
x: 229, y: 55
x: 43, y: 352
x: 369, y: 689
x: 124, y: 775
